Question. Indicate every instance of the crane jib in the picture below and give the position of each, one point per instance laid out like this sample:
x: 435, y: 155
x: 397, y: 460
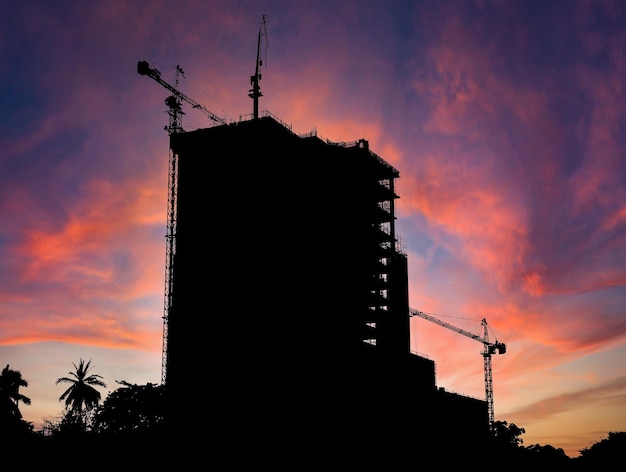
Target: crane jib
x: 143, y: 68
x: 490, y: 348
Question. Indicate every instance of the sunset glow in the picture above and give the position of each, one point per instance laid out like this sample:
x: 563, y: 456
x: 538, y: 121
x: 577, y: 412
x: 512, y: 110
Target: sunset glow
x: 505, y: 120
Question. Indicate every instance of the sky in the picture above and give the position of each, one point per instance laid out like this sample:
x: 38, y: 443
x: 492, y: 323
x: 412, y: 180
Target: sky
x: 505, y: 119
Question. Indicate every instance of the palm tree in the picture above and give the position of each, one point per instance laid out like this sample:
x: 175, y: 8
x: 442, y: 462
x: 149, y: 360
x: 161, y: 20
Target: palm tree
x: 10, y: 396
x: 81, y: 396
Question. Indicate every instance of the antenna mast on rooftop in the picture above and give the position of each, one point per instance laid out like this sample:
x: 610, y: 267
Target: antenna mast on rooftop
x: 255, y: 91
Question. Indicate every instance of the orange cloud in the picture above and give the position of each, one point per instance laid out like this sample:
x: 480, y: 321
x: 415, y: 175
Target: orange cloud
x: 94, y: 271
x: 612, y: 392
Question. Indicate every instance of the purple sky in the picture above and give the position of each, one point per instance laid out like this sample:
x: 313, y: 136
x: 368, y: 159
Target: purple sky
x: 506, y: 120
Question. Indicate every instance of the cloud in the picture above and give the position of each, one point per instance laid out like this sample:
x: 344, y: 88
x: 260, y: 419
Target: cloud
x: 529, y: 189
x: 82, y: 279
x: 611, y: 393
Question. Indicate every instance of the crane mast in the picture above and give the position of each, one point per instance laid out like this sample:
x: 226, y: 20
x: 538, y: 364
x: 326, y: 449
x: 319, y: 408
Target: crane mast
x: 175, y: 112
x: 489, y: 348
x: 255, y: 91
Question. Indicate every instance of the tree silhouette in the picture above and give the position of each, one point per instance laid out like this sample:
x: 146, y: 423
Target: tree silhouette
x: 509, y: 434
x: 11, y: 423
x: 81, y: 396
x: 131, y: 408
x: 547, y: 456
x: 604, y: 454
x: 10, y: 396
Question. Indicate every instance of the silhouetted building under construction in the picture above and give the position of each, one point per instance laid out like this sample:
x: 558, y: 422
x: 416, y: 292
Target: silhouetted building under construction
x: 289, y: 316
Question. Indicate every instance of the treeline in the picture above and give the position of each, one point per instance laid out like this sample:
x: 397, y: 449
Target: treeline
x: 129, y: 429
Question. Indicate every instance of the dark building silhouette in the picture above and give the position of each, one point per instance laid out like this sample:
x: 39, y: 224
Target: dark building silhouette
x: 289, y: 312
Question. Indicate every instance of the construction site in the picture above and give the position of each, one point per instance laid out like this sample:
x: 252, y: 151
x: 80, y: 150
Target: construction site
x: 287, y: 292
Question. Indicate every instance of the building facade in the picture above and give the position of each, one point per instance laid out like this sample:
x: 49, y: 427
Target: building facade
x: 290, y: 293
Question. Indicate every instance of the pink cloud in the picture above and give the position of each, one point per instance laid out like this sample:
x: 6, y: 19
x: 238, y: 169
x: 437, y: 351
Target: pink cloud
x: 612, y: 392
x: 88, y: 262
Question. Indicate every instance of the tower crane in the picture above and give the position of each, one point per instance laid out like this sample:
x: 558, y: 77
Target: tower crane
x: 174, y: 103
x: 255, y: 91
x: 489, y: 349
